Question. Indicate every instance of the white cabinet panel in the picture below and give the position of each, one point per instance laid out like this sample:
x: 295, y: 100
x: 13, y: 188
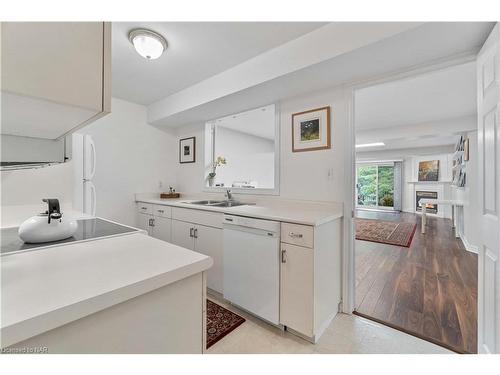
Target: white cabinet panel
x: 161, y: 210
x: 297, y: 288
x: 144, y: 221
x: 211, y: 219
x: 162, y: 228
x: 55, y: 76
x: 208, y: 241
x: 295, y: 234
x: 182, y: 234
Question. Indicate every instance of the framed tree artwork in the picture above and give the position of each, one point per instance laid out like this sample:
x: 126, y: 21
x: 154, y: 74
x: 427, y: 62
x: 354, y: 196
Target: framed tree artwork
x: 311, y: 130
x: 187, y: 150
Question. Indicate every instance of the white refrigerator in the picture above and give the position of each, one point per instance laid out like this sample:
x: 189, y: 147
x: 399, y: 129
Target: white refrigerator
x: 84, y: 163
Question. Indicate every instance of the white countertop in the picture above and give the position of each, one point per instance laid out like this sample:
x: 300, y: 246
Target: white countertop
x: 298, y: 212
x: 44, y: 289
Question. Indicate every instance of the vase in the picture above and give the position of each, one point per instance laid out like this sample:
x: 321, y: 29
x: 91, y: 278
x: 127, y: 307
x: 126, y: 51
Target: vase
x: 210, y: 182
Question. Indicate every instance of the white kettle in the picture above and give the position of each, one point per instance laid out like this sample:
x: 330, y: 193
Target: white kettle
x: 48, y: 226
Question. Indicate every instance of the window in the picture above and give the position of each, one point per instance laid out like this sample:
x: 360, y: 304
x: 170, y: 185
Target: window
x: 242, y: 152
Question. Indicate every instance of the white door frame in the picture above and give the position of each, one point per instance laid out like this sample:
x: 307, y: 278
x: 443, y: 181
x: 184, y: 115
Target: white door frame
x: 488, y: 111
x: 348, y: 276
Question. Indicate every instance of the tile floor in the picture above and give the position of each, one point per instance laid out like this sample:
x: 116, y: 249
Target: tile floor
x: 347, y: 334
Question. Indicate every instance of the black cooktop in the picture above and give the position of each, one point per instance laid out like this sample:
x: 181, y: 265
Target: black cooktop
x: 87, y: 229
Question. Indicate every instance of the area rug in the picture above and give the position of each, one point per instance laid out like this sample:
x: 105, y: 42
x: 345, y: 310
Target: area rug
x: 220, y: 322
x: 389, y: 232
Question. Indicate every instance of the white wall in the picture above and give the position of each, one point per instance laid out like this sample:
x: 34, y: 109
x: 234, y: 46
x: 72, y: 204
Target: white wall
x: 315, y: 175
x: 132, y: 157
x: 470, y: 194
x: 249, y: 158
x: 30, y: 186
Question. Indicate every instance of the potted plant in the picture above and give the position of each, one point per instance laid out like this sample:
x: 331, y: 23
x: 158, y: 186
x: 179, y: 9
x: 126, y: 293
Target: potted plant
x: 217, y: 163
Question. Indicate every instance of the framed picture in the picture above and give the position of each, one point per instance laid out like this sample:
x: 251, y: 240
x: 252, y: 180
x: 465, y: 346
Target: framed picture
x: 187, y: 150
x: 311, y: 130
x: 428, y: 170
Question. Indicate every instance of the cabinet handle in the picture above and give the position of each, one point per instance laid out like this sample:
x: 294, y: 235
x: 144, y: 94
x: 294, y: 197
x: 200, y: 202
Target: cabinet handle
x: 295, y: 235
x: 144, y: 208
x: 151, y: 222
x: 283, y: 256
x: 161, y: 211
x: 196, y: 233
x: 191, y: 232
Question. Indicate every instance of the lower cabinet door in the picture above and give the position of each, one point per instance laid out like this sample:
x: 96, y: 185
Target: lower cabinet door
x: 162, y: 228
x: 182, y: 234
x: 297, y: 288
x: 144, y: 221
x: 208, y: 241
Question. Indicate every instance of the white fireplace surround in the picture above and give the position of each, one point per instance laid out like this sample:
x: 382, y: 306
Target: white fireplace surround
x: 435, y: 187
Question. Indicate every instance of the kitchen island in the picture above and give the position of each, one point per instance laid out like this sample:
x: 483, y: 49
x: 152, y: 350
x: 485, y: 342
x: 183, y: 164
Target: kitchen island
x: 125, y: 294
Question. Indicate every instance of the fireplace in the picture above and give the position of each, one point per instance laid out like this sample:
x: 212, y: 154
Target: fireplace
x: 431, y: 208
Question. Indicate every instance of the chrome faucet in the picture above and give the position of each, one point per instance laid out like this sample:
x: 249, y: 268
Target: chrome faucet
x: 229, y: 195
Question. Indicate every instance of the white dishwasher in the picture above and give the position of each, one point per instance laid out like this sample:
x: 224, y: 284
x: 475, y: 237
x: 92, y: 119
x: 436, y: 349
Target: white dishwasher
x: 251, y: 265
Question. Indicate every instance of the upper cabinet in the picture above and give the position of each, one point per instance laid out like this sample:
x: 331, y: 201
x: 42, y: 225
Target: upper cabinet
x: 55, y: 76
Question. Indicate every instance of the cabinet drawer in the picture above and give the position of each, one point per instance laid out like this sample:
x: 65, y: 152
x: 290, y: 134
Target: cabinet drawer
x: 162, y: 211
x: 295, y: 234
x: 145, y: 208
x: 211, y: 219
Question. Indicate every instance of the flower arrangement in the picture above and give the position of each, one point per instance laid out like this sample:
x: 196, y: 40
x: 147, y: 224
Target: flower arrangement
x: 221, y: 160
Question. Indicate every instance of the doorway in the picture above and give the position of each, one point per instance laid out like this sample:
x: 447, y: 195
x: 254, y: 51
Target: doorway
x: 425, y: 285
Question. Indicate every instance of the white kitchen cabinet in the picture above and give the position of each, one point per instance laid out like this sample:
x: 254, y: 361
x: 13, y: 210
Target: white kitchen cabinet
x: 208, y: 241
x: 162, y: 228
x: 144, y: 222
x: 155, y: 221
x: 297, y: 288
x: 310, y: 277
x: 182, y: 234
x: 205, y: 240
x: 56, y: 76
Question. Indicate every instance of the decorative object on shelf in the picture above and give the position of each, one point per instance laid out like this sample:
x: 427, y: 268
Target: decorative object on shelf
x: 460, y: 157
x: 170, y: 194
x: 311, y: 130
x: 221, y: 160
x: 187, y: 150
x: 428, y: 170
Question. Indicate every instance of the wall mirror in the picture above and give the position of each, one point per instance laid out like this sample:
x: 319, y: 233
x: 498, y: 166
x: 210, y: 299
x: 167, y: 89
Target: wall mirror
x: 242, y: 152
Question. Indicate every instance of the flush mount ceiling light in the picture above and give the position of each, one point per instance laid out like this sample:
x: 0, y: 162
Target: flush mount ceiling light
x: 147, y: 43
x: 376, y: 144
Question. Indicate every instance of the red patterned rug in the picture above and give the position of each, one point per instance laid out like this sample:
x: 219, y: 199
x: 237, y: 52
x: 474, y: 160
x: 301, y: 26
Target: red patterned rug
x: 220, y: 322
x: 389, y: 232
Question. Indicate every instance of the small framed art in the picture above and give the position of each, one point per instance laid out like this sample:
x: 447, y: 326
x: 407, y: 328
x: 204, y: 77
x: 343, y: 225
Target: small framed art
x: 187, y: 150
x: 311, y: 130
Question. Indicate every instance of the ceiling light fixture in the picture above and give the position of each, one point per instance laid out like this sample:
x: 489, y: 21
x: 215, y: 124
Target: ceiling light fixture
x: 147, y: 43
x: 375, y: 144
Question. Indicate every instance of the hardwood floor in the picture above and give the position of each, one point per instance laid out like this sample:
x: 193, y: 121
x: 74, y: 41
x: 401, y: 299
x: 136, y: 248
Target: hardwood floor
x: 428, y: 289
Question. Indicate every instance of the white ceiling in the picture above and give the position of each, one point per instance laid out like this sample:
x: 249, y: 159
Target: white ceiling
x: 446, y: 93
x: 259, y: 122
x: 422, y: 111
x: 196, y: 51
x: 431, y: 42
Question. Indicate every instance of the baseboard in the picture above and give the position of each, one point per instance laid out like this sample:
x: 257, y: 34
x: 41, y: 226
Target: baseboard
x: 468, y: 246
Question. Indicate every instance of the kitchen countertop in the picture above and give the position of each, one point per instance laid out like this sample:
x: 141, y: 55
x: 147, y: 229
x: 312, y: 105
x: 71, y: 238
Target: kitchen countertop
x: 45, y: 289
x: 297, y: 212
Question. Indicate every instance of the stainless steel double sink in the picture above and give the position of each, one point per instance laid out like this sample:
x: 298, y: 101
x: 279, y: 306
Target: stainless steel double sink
x: 214, y: 203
